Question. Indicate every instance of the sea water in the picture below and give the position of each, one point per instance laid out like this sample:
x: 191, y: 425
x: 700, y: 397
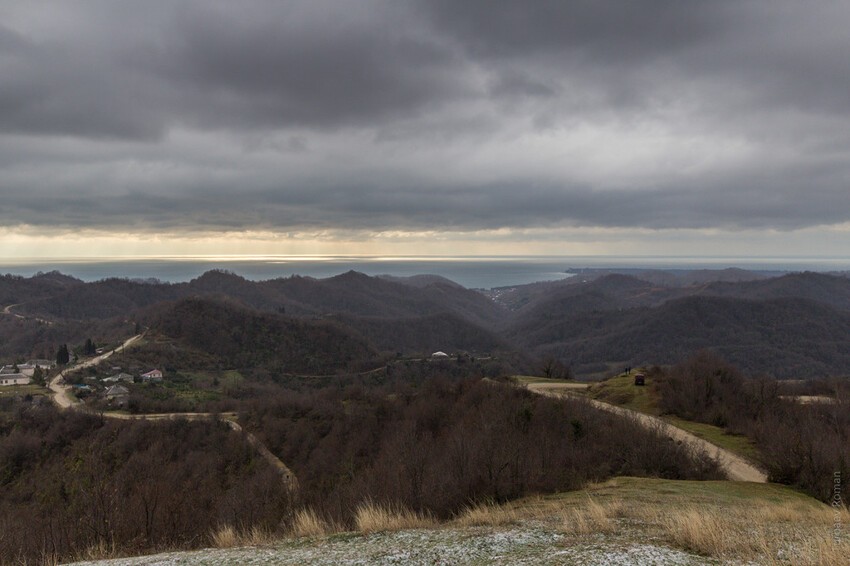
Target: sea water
x: 470, y: 271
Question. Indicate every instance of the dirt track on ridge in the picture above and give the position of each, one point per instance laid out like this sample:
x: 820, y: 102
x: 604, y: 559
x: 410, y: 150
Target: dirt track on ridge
x: 735, y: 467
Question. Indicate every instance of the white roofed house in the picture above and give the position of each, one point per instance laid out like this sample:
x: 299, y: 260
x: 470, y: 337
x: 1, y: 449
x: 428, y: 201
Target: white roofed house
x: 118, y: 395
x: 37, y: 363
x: 14, y: 379
x: 125, y: 377
x: 152, y: 376
x: 29, y: 368
x: 439, y: 356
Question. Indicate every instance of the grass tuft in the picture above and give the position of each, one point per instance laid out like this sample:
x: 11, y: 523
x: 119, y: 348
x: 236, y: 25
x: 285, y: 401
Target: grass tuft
x: 100, y: 550
x: 488, y: 514
x: 372, y: 517
x: 706, y: 533
x: 225, y: 536
x: 308, y: 523
x: 591, y: 517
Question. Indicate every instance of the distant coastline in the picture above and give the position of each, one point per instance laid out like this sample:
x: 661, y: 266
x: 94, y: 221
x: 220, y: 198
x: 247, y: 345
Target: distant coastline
x: 470, y: 271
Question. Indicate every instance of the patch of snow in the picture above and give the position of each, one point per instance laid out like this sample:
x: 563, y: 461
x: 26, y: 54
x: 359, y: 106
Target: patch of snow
x: 644, y: 554
x: 517, y: 545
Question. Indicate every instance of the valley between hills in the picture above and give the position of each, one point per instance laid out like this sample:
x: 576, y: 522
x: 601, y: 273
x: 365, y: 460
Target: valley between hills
x: 376, y: 419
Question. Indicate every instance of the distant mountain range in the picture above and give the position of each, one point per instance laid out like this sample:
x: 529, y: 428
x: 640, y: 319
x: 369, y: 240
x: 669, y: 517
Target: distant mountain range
x: 791, y: 325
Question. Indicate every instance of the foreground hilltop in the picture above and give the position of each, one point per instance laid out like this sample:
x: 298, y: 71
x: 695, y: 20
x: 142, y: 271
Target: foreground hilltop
x: 623, y: 521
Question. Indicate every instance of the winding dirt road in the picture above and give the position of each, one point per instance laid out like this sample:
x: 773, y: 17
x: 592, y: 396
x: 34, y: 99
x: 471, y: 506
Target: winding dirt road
x: 286, y: 474
x: 7, y: 310
x: 62, y: 392
x: 735, y: 467
x: 62, y: 397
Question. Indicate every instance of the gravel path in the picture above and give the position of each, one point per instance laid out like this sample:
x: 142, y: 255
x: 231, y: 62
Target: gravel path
x: 735, y: 467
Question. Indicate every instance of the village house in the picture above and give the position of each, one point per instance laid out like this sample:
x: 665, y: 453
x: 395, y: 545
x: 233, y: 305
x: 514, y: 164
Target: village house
x: 29, y: 367
x: 152, y: 376
x: 121, y: 377
x: 118, y: 395
x: 14, y: 379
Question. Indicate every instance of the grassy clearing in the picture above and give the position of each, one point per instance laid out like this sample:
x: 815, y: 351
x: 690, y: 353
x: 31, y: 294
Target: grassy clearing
x: 526, y: 379
x: 22, y: 390
x: 735, y: 443
x: 621, y: 390
x: 764, y: 523
x: 739, y: 521
x: 622, y: 521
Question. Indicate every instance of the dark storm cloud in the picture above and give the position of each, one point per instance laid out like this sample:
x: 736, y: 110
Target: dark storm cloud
x: 613, y: 32
x: 277, y: 73
x: 425, y: 114
x: 262, y: 65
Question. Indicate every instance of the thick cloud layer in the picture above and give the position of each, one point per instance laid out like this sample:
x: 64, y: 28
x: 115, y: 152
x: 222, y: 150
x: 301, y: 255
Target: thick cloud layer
x: 424, y: 114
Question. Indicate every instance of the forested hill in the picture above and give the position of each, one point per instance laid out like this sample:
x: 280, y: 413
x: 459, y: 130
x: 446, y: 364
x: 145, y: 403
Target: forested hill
x: 15, y: 289
x: 793, y: 325
x: 213, y: 334
x: 786, y: 337
x: 827, y: 289
x: 350, y: 293
x: 417, y: 336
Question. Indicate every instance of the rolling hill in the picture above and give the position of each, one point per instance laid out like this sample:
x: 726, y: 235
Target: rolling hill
x: 792, y: 325
x: 350, y: 293
x: 786, y: 337
x: 203, y: 333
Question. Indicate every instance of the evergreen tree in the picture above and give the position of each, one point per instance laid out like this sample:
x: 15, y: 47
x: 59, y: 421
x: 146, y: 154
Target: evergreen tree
x: 38, y: 376
x: 62, y: 355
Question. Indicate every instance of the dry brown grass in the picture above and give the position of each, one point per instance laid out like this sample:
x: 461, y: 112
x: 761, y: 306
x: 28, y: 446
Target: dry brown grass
x: 226, y: 536
x: 488, y: 514
x: 709, y: 533
x: 307, y: 523
x: 768, y: 534
x: 372, y: 517
x: 98, y: 551
x: 592, y: 517
x: 740, y: 522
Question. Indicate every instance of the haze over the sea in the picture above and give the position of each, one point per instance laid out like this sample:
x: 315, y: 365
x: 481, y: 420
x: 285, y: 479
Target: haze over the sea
x: 472, y: 272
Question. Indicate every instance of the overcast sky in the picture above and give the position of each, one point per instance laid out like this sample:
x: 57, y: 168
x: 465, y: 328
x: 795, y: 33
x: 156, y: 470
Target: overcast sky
x: 425, y: 126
